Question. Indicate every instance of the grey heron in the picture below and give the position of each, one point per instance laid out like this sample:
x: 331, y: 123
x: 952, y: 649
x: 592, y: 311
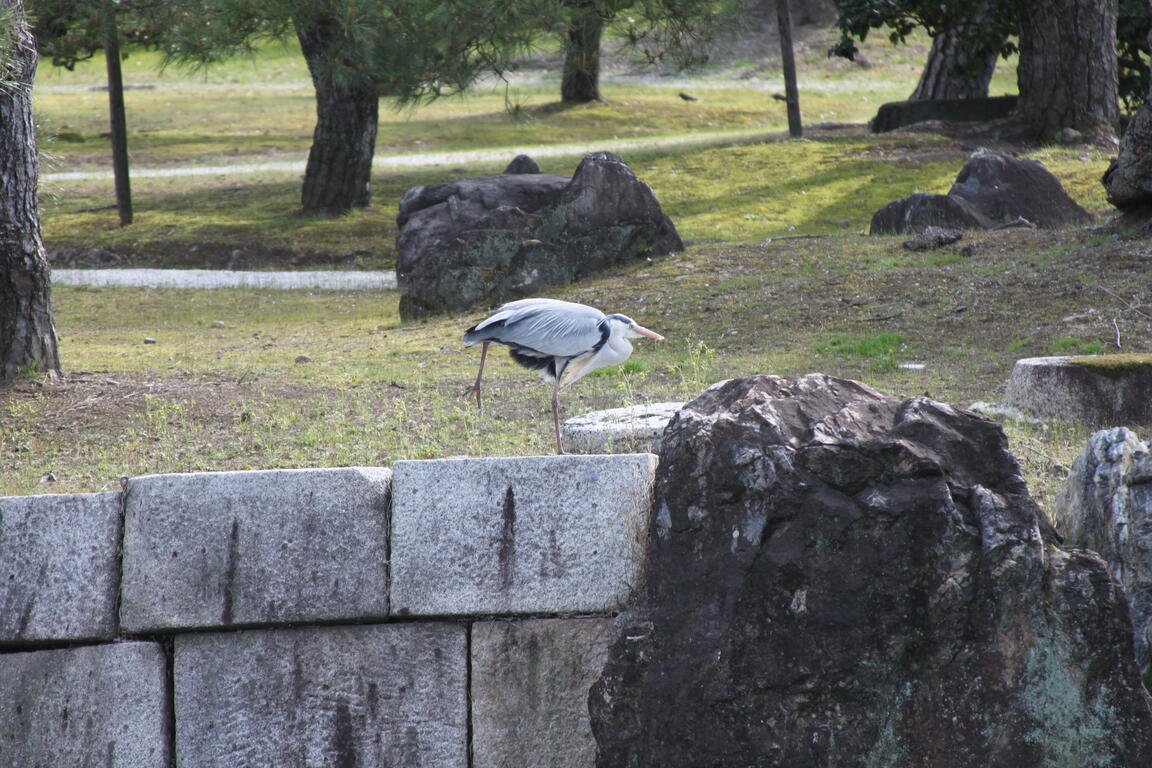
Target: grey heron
x: 562, y: 340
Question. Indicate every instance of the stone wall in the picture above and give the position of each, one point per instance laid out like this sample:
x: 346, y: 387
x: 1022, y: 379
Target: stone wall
x: 438, y: 613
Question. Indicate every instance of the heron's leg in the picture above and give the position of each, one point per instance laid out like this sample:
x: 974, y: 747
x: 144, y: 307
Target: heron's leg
x: 475, y: 388
x: 556, y: 416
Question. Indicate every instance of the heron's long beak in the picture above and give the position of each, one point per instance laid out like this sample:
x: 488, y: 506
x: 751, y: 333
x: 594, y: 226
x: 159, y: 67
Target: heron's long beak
x: 645, y: 332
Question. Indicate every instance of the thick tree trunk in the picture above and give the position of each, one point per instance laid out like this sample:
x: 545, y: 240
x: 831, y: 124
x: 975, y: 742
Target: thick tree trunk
x: 1067, y: 70
x: 339, y: 171
x: 955, y: 69
x: 27, y: 335
x: 580, y: 81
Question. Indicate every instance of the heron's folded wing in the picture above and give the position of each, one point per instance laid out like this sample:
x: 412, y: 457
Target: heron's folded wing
x: 548, y: 327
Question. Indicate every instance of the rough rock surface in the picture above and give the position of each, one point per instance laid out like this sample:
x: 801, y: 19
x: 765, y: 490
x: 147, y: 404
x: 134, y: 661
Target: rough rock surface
x: 918, y: 212
x: 529, y: 691
x: 841, y: 577
x: 541, y: 534
x: 1004, y: 188
x: 615, y: 430
x: 991, y: 189
x: 932, y: 238
x: 522, y: 164
x: 1103, y: 391
x: 210, y: 549
x: 96, y: 706
x: 59, y: 567
x: 897, y: 114
x: 489, y: 239
x: 1106, y: 505
x: 1128, y: 180
x: 340, y: 697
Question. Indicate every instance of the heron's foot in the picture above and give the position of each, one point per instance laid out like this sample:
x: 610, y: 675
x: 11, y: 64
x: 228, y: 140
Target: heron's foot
x: 473, y: 389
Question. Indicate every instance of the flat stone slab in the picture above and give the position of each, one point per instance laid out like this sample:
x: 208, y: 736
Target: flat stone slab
x: 217, y: 549
x: 635, y: 428
x: 366, y: 696
x: 1104, y: 390
x: 101, y: 705
x: 545, y: 534
x: 59, y: 567
x: 530, y: 682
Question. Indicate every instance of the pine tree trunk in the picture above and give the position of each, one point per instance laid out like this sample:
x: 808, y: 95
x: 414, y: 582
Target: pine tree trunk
x: 1067, y: 70
x: 339, y: 171
x: 955, y: 70
x: 116, y: 117
x: 27, y: 335
x: 580, y: 81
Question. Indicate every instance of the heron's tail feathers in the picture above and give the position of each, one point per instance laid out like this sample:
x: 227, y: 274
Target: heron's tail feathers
x: 530, y: 358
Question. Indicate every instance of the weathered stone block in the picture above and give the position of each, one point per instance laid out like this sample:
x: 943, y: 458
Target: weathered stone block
x: 251, y: 548
x: 547, y: 534
x: 1104, y: 390
x: 530, y: 682
x: 102, y: 705
x: 635, y: 428
x: 364, y: 696
x: 59, y: 572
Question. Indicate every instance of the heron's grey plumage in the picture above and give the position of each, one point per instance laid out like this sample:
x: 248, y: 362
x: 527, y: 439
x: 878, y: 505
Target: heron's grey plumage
x: 561, y: 339
x: 549, y: 327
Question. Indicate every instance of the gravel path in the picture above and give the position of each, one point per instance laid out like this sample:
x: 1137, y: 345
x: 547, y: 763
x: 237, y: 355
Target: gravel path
x: 346, y: 280
x: 461, y: 157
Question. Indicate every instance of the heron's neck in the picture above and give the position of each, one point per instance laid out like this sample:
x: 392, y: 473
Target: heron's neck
x: 620, y: 347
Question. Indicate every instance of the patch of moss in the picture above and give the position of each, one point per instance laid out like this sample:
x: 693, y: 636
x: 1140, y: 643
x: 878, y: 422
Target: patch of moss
x: 1115, y: 366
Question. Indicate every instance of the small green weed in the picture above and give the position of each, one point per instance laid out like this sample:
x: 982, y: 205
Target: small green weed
x: 1019, y: 345
x: 1070, y: 345
x: 880, y: 349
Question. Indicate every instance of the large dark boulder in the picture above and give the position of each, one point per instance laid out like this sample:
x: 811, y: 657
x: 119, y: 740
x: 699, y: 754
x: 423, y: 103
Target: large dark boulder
x: 489, y: 239
x: 1004, y: 188
x: 841, y: 577
x: 991, y: 189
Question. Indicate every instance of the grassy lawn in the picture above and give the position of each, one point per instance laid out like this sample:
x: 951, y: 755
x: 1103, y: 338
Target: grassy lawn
x: 251, y: 379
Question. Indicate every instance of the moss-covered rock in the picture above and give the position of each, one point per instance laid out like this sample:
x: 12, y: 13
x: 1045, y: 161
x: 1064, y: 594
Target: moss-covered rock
x: 485, y: 240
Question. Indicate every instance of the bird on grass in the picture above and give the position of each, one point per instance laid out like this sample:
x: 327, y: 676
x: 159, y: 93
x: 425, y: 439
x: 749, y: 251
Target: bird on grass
x: 562, y: 340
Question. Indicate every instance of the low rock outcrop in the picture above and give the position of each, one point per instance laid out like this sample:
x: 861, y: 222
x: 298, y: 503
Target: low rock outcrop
x: 992, y: 189
x: 897, y: 114
x: 841, y: 577
x: 919, y: 212
x: 490, y: 239
x: 1106, y: 505
x: 1099, y: 390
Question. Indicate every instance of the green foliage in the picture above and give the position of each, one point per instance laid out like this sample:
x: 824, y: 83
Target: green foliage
x: 1070, y: 345
x: 881, y: 349
x: 71, y: 31
x: 674, y: 30
x: 995, y: 28
x: 1133, y: 26
x: 9, y: 39
x: 856, y: 18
